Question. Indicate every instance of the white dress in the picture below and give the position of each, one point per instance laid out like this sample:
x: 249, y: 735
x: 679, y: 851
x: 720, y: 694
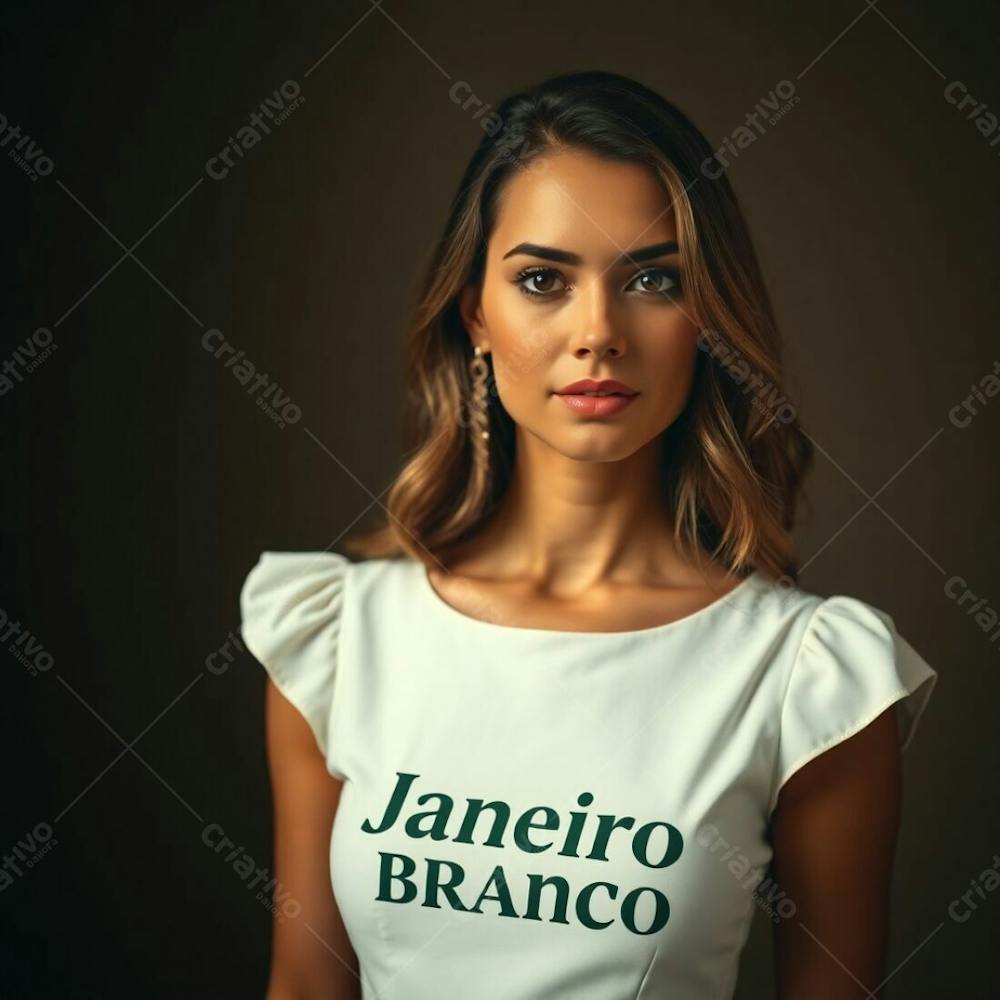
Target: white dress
x: 532, y: 814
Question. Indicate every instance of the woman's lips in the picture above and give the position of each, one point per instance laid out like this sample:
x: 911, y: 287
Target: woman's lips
x: 595, y: 406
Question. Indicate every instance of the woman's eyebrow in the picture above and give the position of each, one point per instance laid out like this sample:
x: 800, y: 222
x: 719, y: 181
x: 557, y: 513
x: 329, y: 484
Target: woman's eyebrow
x: 567, y: 257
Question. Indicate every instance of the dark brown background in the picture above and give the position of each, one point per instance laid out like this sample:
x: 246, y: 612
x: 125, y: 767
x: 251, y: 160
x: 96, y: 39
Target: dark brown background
x: 145, y: 481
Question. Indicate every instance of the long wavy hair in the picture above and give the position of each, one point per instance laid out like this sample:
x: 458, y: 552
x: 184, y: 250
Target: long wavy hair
x: 733, y: 461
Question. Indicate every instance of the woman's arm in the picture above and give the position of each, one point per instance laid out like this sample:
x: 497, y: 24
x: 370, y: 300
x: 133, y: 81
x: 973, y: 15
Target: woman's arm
x: 318, y: 963
x: 834, y: 839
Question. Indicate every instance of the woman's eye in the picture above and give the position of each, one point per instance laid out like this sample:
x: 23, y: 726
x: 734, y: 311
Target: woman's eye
x: 534, y: 283
x: 660, y: 281
x: 537, y: 283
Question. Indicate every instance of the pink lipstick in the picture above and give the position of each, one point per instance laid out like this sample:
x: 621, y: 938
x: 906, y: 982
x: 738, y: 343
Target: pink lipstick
x: 592, y: 398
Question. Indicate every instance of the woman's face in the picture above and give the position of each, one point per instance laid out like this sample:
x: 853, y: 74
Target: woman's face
x: 557, y: 305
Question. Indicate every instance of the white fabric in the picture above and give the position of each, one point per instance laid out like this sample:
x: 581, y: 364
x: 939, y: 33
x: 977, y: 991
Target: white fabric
x: 290, y: 606
x: 673, y: 741
x: 852, y: 665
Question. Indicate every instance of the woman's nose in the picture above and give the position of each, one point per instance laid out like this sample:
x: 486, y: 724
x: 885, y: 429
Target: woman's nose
x: 597, y: 331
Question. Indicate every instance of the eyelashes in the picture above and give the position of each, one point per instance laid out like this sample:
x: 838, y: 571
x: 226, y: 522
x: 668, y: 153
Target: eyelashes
x: 668, y: 288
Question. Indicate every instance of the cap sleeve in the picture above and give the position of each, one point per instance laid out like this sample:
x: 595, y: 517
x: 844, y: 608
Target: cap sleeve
x: 290, y: 606
x: 851, y: 666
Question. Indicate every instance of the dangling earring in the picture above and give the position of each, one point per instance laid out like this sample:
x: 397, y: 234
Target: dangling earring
x: 479, y: 422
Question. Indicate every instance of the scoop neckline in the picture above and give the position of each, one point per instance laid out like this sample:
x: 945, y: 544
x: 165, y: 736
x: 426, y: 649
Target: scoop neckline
x: 435, y: 600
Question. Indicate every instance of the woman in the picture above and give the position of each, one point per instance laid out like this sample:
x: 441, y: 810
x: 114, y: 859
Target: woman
x: 571, y: 717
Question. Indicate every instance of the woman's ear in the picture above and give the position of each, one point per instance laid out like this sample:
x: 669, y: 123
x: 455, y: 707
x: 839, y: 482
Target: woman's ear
x: 470, y: 310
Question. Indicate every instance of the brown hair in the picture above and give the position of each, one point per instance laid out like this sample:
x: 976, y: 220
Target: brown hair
x: 733, y: 465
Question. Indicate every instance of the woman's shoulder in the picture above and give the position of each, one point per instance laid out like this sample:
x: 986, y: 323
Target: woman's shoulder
x: 280, y: 581
x: 850, y: 664
x: 289, y: 596
x: 290, y: 591
x: 273, y: 566
x: 820, y: 635
x: 838, y: 618
x: 292, y: 607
